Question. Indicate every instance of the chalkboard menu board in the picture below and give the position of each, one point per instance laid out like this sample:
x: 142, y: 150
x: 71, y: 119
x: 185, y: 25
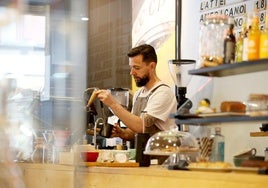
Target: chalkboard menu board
x: 235, y: 8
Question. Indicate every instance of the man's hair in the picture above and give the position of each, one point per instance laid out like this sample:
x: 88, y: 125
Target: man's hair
x: 147, y: 51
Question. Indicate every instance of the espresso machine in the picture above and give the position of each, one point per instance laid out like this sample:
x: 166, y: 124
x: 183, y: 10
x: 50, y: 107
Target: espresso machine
x: 100, y: 118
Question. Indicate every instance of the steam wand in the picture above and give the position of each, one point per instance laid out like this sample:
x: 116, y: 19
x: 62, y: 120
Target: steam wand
x: 95, y: 131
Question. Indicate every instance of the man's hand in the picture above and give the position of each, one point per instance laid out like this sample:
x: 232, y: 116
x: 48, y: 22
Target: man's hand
x: 124, y: 133
x: 117, y: 131
x: 106, y: 97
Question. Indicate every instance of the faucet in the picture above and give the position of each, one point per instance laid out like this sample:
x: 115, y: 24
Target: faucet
x: 95, y: 131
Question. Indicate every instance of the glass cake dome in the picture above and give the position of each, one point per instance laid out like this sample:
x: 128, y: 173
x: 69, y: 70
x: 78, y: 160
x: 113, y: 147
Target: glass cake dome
x: 172, y: 141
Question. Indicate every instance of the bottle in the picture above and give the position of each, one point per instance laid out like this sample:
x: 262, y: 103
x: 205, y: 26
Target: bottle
x: 245, y: 29
x: 239, y: 48
x: 241, y: 44
x: 217, y: 146
x: 229, y: 44
x: 264, y: 39
x: 254, y: 38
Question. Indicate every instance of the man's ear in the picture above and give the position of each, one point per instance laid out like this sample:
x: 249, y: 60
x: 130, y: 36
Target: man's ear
x: 153, y: 65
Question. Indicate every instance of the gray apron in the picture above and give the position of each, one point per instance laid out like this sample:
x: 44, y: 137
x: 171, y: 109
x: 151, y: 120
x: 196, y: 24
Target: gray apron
x: 139, y: 106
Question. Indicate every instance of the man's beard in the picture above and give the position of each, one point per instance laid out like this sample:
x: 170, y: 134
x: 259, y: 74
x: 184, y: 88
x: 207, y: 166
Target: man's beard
x: 142, y: 81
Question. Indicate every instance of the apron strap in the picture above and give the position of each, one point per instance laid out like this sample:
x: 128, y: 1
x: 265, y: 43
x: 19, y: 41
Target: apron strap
x: 153, y: 90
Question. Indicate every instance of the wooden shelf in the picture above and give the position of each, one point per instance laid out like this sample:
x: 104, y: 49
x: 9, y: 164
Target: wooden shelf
x: 258, y: 134
x: 224, y: 119
x: 232, y: 69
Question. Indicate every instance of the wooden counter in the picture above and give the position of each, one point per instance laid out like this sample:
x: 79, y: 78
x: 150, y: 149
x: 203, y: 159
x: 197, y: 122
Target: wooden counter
x: 155, y: 176
x: 161, y: 177
x: 47, y: 175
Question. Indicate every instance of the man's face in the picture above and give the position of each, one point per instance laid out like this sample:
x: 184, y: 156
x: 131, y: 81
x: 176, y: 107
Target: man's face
x: 139, y: 70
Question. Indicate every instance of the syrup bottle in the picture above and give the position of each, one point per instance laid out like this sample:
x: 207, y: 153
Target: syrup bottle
x: 241, y: 44
x: 229, y: 44
x: 239, y: 48
x: 245, y: 31
x: 264, y: 39
x: 254, y: 38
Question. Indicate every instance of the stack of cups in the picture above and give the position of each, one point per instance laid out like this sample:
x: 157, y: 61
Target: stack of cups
x: 140, y: 144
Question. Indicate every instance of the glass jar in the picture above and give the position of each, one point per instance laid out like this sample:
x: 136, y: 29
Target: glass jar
x: 212, y: 34
x: 257, y: 104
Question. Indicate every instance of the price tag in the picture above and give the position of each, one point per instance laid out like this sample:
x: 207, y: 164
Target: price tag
x: 260, y: 4
x: 262, y: 16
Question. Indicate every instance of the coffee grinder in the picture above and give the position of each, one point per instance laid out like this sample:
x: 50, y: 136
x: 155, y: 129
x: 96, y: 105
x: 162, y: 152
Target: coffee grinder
x: 179, y: 73
x: 179, y: 67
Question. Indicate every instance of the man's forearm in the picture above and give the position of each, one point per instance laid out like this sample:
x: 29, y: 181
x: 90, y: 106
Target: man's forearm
x: 132, y: 121
x: 128, y: 134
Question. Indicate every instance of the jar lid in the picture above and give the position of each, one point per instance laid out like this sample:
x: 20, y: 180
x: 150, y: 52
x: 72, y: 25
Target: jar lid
x: 216, y: 19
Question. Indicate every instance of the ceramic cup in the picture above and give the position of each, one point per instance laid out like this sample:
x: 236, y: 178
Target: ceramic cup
x: 243, y: 156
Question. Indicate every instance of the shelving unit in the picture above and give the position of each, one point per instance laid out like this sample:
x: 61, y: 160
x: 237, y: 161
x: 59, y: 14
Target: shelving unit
x: 210, y: 120
x: 222, y: 71
x: 232, y: 69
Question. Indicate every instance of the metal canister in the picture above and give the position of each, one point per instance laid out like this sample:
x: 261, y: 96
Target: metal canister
x: 266, y: 154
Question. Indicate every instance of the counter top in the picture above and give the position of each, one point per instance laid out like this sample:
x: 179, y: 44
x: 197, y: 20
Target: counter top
x: 47, y: 175
x: 153, y: 176
x: 156, y: 176
x: 41, y: 166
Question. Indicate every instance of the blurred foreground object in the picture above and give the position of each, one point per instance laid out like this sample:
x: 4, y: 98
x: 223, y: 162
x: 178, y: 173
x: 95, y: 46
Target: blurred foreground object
x: 10, y: 173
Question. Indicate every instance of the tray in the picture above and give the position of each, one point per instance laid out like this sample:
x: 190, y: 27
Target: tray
x: 231, y: 169
x: 210, y: 169
x: 110, y: 164
x: 158, y: 153
x: 245, y: 169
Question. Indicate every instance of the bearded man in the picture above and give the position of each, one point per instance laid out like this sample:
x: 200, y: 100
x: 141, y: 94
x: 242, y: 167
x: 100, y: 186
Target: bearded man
x: 154, y: 97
